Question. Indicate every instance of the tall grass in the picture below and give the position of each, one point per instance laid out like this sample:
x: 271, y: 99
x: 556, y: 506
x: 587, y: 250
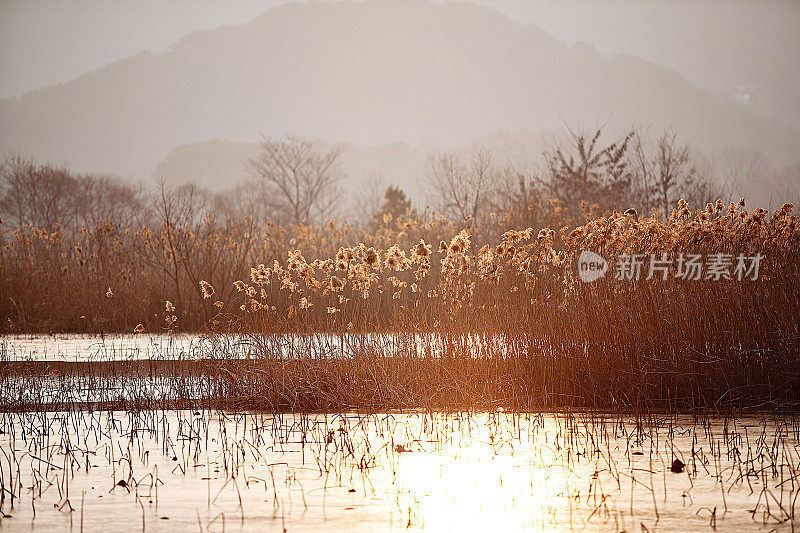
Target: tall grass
x: 439, y: 317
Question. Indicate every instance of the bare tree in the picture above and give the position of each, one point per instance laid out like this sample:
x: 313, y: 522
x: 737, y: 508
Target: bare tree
x: 107, y: 197
x: 666, y: 170
x: 179, y: 212
x: 245, y: 201
x: 642, y: 167
x: 674, y: 171
x: 184, y: 206
x: 462, y: 190
x: 301, y: 183
x: 701, y: 190
x: 41, y: 195
x: 593, y: 173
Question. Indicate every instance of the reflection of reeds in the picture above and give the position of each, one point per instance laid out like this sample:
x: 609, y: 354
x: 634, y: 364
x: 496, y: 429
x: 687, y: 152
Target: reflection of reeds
x: 585, y: 470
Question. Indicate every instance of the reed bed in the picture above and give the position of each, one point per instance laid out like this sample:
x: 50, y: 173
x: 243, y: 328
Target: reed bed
x: 461, y: 324
x: 395, y: 376
x: 511, y: 324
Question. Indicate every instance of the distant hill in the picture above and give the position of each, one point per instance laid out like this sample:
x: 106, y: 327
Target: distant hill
x: 215, y: 164
x: 370, y: 73
x: 218, y: 164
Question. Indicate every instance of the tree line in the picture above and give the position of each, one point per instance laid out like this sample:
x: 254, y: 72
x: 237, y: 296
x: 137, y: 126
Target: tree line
x: 293, y: 182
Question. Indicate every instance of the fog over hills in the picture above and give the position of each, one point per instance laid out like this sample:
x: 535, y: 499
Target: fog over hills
x: 407, y: 74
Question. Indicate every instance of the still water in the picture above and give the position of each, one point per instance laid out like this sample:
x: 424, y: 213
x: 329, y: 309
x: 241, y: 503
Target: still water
x: 191, y: 470
x: 434, y: 471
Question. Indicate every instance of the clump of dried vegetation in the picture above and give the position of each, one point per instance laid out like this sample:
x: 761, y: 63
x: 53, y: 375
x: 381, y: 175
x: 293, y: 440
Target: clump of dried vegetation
x: 490, y: 316
x: 470, y: 339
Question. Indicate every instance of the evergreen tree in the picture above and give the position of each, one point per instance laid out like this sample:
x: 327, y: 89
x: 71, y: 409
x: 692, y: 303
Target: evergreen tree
x: 396, y: 204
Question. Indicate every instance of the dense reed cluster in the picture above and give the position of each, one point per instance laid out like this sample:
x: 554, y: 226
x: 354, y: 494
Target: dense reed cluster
x: 111, y: 275
x: 489, y: 316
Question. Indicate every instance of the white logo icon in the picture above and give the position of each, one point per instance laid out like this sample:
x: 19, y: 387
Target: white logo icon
x: 591, y: 266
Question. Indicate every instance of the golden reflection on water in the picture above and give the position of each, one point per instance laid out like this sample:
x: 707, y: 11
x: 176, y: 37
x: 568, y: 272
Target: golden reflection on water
x: 475, y: 492
x: 431, y: 472
x: 479, y: 479
x: 550, y: 473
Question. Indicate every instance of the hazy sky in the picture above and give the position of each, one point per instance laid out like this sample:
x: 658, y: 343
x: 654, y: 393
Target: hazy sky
x: 717, y: 44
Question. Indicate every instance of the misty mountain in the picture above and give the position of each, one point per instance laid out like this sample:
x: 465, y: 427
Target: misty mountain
x: 368, y: 73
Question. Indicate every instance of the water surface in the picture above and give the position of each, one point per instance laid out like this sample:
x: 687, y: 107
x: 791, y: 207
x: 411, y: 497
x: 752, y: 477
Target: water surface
x: 186, y: 470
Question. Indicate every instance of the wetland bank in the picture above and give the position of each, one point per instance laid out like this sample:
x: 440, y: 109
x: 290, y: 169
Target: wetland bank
x: 411, y: 388
x: 172, y: 436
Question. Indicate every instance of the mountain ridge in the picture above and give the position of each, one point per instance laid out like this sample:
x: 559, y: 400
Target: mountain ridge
x: 368, y: 73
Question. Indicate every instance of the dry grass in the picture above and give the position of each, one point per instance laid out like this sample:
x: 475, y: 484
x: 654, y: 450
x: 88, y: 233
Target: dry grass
x: 490, y: 319
x: 459, y: 324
